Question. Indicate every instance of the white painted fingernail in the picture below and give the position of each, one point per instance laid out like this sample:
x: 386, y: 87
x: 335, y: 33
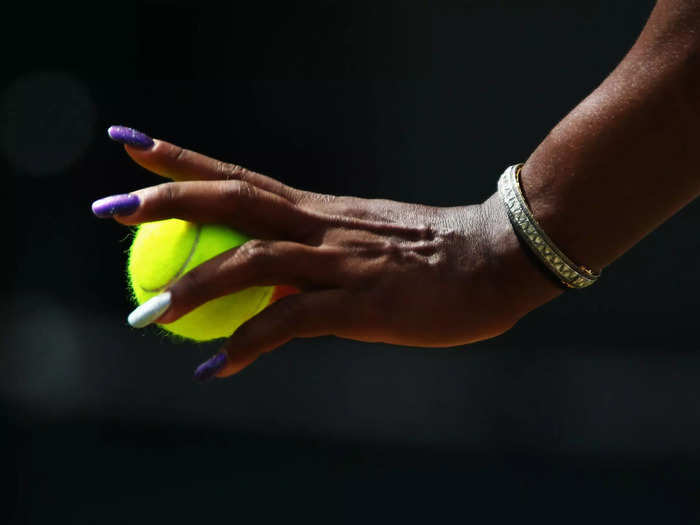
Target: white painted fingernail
x: 150, y: 310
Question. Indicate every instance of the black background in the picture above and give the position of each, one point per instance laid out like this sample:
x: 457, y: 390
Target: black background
x: 586, y: 410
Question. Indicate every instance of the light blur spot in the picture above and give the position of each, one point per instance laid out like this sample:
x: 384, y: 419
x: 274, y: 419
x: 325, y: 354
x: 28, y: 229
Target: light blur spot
x: 41, y: 357
x: 48, y: 122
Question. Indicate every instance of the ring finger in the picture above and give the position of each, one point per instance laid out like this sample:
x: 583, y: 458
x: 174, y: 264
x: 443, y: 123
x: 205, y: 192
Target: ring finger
x: 255, y: 263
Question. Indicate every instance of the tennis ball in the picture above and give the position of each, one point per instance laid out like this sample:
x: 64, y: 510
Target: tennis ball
x: 163, y: 251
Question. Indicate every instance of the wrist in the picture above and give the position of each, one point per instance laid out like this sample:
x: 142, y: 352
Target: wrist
x: 523, y: 281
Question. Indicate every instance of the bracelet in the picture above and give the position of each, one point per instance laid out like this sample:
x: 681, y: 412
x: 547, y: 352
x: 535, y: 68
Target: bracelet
x: 570, y: 274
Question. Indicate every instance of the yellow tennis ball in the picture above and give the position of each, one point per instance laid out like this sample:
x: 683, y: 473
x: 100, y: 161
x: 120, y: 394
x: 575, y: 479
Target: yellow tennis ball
x: 163, y: 251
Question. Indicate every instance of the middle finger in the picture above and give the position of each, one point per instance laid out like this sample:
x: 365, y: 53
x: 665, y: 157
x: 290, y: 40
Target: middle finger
x: 240, y: 205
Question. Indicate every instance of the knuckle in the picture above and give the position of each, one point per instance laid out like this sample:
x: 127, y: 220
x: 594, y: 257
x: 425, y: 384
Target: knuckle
x: 336, y: 205
x: 255, y: 252
x: 309, y: 197
x: 229, y: 171
x: 181, y: 155
x: 167, y: 194
x: 177, y: 153
x: 238, y: 190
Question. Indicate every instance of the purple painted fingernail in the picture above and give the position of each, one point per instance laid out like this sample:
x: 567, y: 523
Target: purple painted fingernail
x: 209, y: 368
x: 115, y: 205
x: 130, y: 136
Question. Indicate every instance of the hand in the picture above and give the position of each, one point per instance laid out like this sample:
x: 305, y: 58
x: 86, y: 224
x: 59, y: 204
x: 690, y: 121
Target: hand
x: 366, y: 269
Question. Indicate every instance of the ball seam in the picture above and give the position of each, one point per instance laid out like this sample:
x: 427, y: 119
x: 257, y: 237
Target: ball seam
x: 181, y: 271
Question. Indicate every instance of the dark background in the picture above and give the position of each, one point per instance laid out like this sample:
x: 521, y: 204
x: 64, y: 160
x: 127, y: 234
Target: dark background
x: 587, y: 410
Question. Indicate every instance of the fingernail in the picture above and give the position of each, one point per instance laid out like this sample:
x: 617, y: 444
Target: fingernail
x: 130, y: 136
x: 150, y: 310
x: 124, y: 204
x: 209, y: 368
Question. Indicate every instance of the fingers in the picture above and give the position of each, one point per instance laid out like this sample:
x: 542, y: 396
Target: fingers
x: 241, y: 205
x: 310, y: 314
x: 282, y: 290
x: 255, y: 263
x: 174, y: 162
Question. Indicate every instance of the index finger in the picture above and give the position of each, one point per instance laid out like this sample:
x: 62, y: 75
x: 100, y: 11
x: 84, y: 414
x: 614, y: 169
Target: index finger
x: 180, y: 164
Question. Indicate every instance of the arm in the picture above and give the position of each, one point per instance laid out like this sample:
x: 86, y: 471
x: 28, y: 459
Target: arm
x: 377, y: 270
x: 626, y: 158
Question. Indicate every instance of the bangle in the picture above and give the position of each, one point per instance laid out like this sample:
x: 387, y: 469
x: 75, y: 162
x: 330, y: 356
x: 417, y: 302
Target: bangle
x: 570, y: 274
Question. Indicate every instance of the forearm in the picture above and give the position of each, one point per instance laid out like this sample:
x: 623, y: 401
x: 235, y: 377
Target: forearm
x: 626, y: 158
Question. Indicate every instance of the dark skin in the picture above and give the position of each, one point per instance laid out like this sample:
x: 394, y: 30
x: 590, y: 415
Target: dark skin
x: 367, y: 269
x: 408, y: 274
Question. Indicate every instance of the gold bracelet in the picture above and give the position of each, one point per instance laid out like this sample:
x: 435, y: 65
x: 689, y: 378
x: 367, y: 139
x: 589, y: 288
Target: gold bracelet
x: 570, y: 274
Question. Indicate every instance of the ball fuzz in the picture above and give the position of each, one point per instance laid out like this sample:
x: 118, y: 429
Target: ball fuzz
x: 163, y: 251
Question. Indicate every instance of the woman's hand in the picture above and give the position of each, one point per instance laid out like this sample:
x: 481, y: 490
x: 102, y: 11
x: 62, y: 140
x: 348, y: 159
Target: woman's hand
x: 366, y: 269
